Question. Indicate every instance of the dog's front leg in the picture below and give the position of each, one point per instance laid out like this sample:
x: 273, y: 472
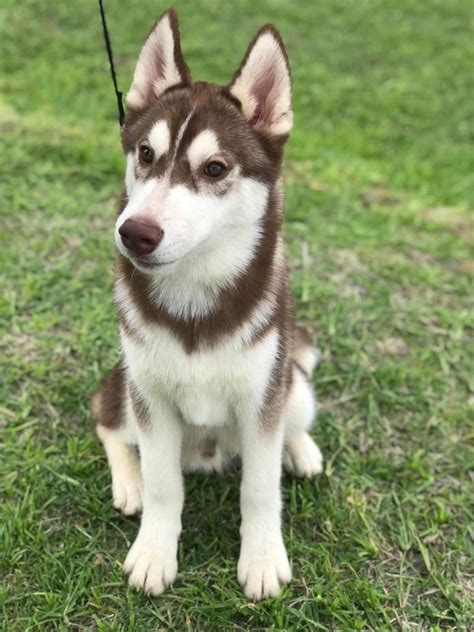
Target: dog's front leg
x: 152, y: 560
x: 263, y: 564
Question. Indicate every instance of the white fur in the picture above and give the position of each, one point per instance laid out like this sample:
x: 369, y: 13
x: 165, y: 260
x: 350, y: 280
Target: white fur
x: 185, y: 293
x: 208, y: 240
x: 216, y: 393
x: 263, y: 563
x: 302, y: 456
x: 159, y: 138
x: 266, y: 61
x: 152, y: 560
x: 203, y: 147
x: 179, y: 138
x: 130, y: 178
x: 156, y: 68
x: 217, y: 387
x: 208, y: 388
x: 207, y: 385
x: 126, y: 477
x: 308, y: 358
x: 195, y: 440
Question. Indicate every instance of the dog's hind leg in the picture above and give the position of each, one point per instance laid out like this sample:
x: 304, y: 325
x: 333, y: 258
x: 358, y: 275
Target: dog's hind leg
x: 301, y: 456
x: 112, y: 409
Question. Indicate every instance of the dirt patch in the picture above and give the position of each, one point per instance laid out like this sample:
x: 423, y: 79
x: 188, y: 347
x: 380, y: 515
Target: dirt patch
x: 392, y: 346
x: 454, y: 219
x: 347, y: 259
x: 20, y: 344
x: 380, y: 196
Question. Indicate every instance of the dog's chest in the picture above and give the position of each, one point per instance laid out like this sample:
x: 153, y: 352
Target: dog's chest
x: 208, y: 386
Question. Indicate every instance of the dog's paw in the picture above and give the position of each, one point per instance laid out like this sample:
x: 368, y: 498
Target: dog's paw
x: 302, y: 456
x: 150, y: 568
x: 263, y: 575
x: 127, y: 494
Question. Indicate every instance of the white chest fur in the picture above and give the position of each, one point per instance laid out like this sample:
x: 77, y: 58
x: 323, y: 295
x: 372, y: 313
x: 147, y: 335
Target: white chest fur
x: 208, y: 387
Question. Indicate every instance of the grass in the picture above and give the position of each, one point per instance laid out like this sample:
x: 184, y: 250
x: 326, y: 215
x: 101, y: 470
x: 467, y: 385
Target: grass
x: 379, y: 229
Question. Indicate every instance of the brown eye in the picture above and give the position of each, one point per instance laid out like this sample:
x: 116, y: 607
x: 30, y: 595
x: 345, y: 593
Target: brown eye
x: 214, y: 169
x: 146, y: 154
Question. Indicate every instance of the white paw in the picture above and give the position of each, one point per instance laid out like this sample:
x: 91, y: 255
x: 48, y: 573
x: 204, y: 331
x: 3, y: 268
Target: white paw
x: 302, y: 456
x: 127, y: 493
x: 150, y: 567
x: 263, y: 574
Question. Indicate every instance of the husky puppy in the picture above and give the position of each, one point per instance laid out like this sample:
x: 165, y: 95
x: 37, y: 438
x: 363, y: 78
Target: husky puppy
x: 212, y: 365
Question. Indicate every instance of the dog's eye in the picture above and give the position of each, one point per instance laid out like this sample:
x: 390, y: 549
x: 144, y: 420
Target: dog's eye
x: 145, y: 153
x: 214, y: 169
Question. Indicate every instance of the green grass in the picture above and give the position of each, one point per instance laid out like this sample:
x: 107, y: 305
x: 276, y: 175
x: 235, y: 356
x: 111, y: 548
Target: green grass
x: 379, y: 229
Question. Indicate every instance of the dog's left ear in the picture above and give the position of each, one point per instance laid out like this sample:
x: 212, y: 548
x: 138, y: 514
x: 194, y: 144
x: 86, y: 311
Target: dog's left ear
x: 160, y: 64
x: 263, y: 84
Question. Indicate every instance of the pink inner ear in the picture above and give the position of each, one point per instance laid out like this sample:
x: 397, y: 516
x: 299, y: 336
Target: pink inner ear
x: 262, y: 92
x: 157, y: 63
x: 256, y: 117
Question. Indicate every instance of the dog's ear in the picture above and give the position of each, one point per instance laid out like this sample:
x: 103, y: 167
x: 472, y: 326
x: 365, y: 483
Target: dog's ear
x: 263, y: 84
x: 160, y: 64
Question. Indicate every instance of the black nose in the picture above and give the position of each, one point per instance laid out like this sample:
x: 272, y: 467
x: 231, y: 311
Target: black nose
x: 139, y: 237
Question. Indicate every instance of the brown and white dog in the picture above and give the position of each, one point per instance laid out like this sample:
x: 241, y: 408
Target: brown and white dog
x: 212, y: 363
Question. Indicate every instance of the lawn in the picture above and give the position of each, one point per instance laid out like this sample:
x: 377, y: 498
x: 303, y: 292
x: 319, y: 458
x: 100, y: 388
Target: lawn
x: 379, y: 227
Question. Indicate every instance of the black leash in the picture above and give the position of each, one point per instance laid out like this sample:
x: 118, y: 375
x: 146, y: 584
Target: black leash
x: 108, y: 46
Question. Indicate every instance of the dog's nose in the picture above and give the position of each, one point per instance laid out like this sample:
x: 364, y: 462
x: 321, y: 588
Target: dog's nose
x: 139, y: 237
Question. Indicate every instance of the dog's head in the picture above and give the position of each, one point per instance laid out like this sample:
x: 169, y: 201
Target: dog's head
x: 201, y: 158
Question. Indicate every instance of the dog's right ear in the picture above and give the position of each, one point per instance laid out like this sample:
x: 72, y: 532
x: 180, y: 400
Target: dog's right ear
x: 262, y: 84
x: 160, y: 64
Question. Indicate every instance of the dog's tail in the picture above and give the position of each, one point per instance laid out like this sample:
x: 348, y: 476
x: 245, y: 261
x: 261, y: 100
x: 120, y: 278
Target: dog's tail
x: 305, y: 354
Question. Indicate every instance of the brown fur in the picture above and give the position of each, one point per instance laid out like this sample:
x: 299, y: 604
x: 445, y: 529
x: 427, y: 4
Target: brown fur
x: 302, y: 341
x: 208, y: 448
x: 280, y: 382
x: 184, y: 71
x: 108, y: 402
x: 127, y: 329
x: 259, y: 156
x: 235, y: 303
x: 234, y: 307
x: 267, y: 28
x: 140, y: 408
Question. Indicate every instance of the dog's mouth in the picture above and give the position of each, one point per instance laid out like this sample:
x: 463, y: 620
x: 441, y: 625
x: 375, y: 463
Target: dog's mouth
x: 149, y: 266
x: 145, y: 265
